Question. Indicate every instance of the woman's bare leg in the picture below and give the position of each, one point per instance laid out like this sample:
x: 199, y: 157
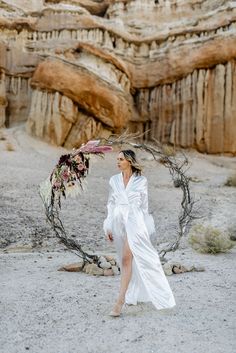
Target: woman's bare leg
x: 126, y: 270
x: 126, y: 273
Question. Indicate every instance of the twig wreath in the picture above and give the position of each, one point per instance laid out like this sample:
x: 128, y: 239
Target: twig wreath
x: 67, y: 179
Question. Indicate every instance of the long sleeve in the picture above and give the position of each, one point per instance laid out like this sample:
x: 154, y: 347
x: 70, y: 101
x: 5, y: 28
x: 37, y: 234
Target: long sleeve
x: 107, y: 224
x: 148, y: 219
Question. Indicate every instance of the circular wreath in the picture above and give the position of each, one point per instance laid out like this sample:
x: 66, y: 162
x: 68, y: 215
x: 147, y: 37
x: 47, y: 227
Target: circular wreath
x: 68, y: 177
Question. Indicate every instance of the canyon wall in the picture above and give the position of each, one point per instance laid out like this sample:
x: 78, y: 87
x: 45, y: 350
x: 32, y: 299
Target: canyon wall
x: 80, y: 69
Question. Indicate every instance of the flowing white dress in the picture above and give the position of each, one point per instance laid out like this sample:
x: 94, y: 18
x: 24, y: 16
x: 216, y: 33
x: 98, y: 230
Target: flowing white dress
x: 128, y: 216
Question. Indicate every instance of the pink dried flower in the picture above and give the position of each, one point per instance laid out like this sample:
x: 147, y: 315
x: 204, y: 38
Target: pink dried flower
x: 81, y: 166
x: 65, y: 175
x: 57, y: 184
x: 78, y: 159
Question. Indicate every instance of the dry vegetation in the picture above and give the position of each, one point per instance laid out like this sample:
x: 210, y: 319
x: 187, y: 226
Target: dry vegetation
x: 9, y: 147
x: 207, y: 239
x: 168, y: 150
x: 231, y: 181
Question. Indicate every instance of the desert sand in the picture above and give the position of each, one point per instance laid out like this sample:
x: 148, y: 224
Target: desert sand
x: 48, y: 311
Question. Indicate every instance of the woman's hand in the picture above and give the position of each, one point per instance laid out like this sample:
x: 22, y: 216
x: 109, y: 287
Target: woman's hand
x: 109, y: 236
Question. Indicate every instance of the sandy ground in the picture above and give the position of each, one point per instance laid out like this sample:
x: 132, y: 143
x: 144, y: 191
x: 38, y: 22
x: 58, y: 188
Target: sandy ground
x: 44, y: 310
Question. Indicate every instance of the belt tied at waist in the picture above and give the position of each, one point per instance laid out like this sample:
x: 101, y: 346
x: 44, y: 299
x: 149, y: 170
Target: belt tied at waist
x: 122, y: 204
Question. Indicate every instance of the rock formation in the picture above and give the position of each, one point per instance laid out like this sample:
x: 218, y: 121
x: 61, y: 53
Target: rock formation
x: 79, y: 69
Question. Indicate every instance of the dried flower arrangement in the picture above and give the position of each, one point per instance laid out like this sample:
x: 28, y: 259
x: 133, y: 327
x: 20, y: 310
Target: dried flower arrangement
x: 67, y: 178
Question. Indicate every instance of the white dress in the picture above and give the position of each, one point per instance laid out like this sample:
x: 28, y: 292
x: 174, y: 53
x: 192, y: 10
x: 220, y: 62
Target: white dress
x: 128, y: 215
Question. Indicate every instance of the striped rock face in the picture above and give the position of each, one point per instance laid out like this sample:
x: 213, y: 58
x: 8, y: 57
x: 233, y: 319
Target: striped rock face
x: 77, y: 69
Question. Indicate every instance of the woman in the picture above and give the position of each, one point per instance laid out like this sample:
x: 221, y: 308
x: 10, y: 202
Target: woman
x: 130, y: 226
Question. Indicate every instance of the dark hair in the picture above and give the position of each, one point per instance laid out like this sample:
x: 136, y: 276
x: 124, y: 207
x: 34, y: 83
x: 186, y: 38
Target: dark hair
x: 131, y: 157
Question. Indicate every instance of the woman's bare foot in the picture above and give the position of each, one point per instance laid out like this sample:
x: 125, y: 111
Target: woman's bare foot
x: 116, y: 311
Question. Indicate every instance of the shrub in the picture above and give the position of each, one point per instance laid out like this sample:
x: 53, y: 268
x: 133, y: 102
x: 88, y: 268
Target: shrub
x: 9, y: 147
x: 168, y: 150
x: 231, y: 181
x: 207, y: 239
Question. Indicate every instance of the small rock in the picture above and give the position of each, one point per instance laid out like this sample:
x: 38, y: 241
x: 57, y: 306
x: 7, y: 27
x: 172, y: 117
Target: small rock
x: 108, y: 272
x: 85, y: 266
x: 109, y: 257
x: 177, y: 270
x: 105, y: 265
x: 76, y: 267
x: 93, y: 269
x: 88, y: 267
x: 167, y: 267
x: 115, y: 270
x: 102, y: 259
x: 112, y: 262
x: 195, y: 179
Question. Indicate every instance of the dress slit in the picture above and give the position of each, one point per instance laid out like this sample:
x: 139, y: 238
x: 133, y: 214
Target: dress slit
x: 137, y: 290
x: 146, y: 272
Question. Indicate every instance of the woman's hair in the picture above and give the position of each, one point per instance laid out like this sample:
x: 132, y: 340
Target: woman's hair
x: 131, y: 157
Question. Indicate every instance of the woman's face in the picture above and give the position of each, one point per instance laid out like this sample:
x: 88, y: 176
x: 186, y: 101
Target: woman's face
x: 122, y: 163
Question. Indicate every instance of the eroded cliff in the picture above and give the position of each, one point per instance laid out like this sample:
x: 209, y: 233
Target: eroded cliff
x: 75, y: 70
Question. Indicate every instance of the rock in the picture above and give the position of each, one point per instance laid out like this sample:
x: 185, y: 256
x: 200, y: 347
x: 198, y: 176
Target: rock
x: 115, y: 270
x: 179, y: 269
x: 108, y: 272
x: 109, y: 258
x: 110, y: 106
x: 93, y: 269
x: 112, y: 262
x: 175, y: 267
x: 51, y: 116
x: 167, y: 267
x: 105, y: 265
x: 75, y: 267
x: 102, y: 259
x: 85, y: 267
x: 195, y: 179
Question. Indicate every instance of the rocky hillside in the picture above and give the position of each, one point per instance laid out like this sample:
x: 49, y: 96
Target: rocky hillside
x: 77, y: 69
